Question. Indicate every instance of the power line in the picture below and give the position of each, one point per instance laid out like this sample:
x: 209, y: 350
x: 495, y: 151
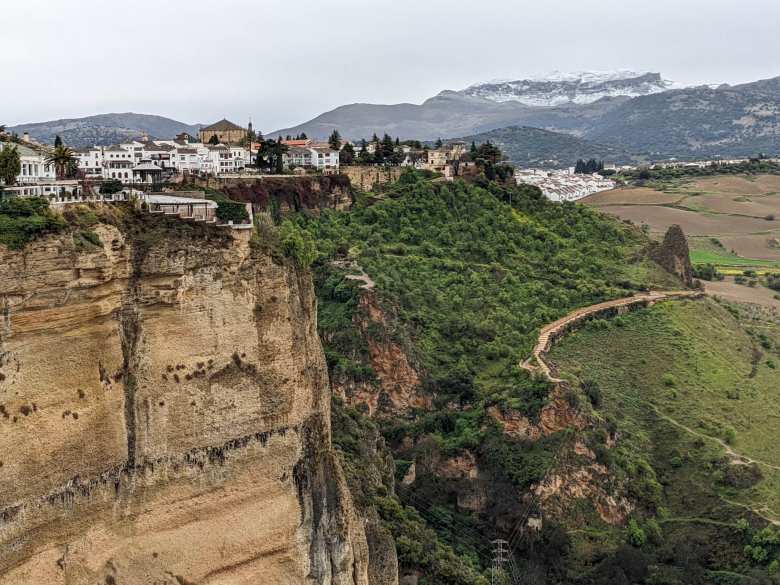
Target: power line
x: 500, y: 552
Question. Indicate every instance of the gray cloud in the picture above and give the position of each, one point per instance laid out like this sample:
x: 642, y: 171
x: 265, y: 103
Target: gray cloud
x: 283, y: 61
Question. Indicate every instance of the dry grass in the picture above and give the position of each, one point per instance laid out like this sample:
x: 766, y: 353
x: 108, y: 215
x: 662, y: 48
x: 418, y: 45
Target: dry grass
x: 693, y: 223
x: 731, y: 291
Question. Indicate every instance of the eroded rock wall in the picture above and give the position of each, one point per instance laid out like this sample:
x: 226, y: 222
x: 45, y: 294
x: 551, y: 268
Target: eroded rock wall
x: 159, y: 397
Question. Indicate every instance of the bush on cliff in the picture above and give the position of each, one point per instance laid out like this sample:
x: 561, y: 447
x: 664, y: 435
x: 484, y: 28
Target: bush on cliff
x: 297, y: 243
x: 24, y: 219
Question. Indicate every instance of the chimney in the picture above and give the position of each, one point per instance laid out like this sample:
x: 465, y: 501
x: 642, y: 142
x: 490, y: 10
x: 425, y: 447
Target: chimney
x: 26, y: 136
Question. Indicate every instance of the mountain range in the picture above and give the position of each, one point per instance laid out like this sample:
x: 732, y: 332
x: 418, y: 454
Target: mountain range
x: 638, y: 113
x: 583, y: 87
x: 104, y: 129
x: 622, y: 114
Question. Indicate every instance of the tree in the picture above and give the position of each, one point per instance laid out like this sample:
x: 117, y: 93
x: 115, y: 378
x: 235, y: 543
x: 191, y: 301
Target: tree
x: 10, y: 164
x: 364, y: 157
x: 439, y: 143
x: 271, y: 155
x: 335, y: 140
x: 589, y: 167
x: 214, y: 140
x: 488, y: 152
x: 379, y: 157
x: 388, y: 147
x: 347, y: 156
x: 57, y: 141
x: 63, y: 160
x: 110, y: 187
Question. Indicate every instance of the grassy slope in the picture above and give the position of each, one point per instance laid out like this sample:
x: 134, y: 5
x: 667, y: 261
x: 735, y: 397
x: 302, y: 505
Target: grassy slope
x: 693, y: 363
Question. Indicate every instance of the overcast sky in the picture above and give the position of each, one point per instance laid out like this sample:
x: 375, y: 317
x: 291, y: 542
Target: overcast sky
x: 283, y: 62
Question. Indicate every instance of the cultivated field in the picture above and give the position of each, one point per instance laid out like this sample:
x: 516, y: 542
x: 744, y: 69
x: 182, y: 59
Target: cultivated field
x: 731, y: 221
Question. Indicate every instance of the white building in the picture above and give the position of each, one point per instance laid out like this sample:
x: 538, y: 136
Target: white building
x: 120, y: 169
x: 324, y: 158
x: 298, y: 157
x: 112, y: 162
x: 35, y: 169
x: 223, y: 159
x: 90, y: 161
x: 321, y: 158
x: 37, y: 178
x: 186, y: 159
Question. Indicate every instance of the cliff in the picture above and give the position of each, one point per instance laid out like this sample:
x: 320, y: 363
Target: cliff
x: 164, y: 416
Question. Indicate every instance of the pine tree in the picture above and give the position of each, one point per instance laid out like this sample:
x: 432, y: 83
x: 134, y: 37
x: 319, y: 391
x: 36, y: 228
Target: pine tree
x: 57, y: 141
x: 347, y: 155
x: 335, y: 140
x: 364, y: 157
x: 439, y: 144
x: 214, y: 140
x: 10, y: 164
x: 388, y: 147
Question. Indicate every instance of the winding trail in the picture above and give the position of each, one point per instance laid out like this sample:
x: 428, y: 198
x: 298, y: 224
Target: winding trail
x: 550, y: 333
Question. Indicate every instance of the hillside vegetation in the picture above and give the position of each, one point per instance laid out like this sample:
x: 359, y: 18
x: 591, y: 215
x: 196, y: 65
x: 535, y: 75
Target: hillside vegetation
x: 465, y: 275
x: 472, y: 278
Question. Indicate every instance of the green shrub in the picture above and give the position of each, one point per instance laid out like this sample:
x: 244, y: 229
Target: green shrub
x: 297, y: 243
x: 707, y: 272
x: 636, y: 535
x: 86, y: 239
x: 592, y: 391
x: 24, y: 219
x: 234, y: 211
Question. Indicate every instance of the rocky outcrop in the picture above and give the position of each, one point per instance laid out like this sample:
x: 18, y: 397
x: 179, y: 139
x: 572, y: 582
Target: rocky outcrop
x: 366, y: 178
x: 398, y: 385
x: 579, y: 477
x: 164, y: 411
x: 673, y: 254
x: 557, y: 415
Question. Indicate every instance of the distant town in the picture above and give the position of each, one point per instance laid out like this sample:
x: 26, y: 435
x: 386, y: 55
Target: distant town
x: 224, y: 149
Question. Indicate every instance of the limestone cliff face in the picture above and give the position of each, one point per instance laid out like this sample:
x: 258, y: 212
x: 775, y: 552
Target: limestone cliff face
x: 164, y: 417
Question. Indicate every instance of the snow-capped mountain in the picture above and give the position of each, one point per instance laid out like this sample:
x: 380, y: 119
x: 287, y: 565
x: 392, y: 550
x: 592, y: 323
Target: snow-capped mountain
x: 583, y: 87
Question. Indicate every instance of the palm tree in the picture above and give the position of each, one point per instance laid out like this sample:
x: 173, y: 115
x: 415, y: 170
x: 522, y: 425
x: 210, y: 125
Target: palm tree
x: 63, y: 158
